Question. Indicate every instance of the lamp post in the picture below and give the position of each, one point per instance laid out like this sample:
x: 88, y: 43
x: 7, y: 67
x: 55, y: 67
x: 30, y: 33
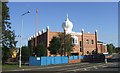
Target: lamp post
x: 21, y: 36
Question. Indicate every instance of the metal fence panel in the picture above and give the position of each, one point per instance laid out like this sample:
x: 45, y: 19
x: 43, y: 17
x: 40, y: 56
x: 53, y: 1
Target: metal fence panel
x: 57, y: 59
x: 40, y: 61
x: 52, y: 60
x: 76, y: 57
x: 43, y: 60
x: 49, y: 60
x: 64, y: 59
x: 81, y: 57
x: 71, y: 58
x: 34, y: 61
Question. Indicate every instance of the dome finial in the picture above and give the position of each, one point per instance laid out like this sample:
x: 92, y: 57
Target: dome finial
x: 67, y: 25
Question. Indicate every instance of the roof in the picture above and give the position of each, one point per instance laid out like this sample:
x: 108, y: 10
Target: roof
x: 99, y: 42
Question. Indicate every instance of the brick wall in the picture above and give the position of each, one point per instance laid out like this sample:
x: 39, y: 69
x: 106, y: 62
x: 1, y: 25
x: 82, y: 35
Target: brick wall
x: 47, y: 36
x: 89, y: 46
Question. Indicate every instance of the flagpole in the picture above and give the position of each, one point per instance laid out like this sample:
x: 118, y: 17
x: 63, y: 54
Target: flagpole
x: 36, y: 30
x: 36, y: 27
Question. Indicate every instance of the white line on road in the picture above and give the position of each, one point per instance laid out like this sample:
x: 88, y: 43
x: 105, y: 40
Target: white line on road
x: 87, y: 68
x: 95, y: 67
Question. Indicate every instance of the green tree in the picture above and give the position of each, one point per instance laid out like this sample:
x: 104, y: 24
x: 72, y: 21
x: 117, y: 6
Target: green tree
x: 117, y: 49
x: 61, y: 44
x: 25, y: 52
x: 8, y: 35
x: 111, y: 48
x: 40, y: 50
x: 55, y: 45
x: 31, y: 46
x: 66, y: 41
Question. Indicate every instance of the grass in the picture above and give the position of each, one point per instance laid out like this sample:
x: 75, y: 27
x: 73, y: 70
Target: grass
x: 12, y: 66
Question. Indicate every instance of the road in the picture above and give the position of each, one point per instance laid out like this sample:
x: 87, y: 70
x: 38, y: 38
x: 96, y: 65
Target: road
x: 67, y: 68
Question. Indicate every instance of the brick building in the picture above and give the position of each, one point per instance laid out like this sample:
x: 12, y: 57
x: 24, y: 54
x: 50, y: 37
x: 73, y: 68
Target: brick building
x: 84, y: 43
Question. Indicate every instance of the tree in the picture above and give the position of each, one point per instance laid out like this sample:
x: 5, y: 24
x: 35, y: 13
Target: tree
x: 8, y: 35
x: 66, y: 41
x: 31, y: 46
x: 40, y: 50
x: 61, y: 44
x: 117, y: 49
x: 111, y: 48
x: 25, y: 52
x: 55, y: 45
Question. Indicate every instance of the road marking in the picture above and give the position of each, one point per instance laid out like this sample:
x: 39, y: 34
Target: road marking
x: 95, y: 67
x: 67, y: 69
x: 75, y: 67
x: 87, y: 68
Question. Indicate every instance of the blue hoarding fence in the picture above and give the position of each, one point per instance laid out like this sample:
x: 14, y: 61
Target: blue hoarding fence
x: 75, y: 57
x: 40, y: 61
x: 34, y: 61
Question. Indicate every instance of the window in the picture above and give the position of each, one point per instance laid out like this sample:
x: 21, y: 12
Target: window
x: 87, y: 52
x: 93, y: 52
x: 92, y: 41
x: 80, y: 43
x: 73, y: 40
x: 80, y: 49
x: 87, y: 41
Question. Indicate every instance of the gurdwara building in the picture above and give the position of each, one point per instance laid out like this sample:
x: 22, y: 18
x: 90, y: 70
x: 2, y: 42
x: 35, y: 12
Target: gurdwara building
x: 84, y: 43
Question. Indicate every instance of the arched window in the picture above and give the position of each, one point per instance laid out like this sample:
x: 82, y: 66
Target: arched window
x: 87, y: 52
x: 92, y: 41
x: 74, y: 40
x: 80, y: 43
x: 87, y: 41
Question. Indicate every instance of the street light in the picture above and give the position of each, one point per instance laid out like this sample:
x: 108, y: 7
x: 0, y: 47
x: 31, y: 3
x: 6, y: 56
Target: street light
x: 21, y: 36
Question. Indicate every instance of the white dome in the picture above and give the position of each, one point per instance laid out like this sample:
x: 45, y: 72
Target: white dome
x: 67, y: 25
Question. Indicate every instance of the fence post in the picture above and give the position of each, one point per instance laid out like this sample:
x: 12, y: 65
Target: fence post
x: 61, y: 59
x: 68, y: 58
x: 46, y: 60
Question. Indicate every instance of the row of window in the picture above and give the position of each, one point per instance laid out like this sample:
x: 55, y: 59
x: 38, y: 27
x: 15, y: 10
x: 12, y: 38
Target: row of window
x: 87, y: 41
x: 75, y: 41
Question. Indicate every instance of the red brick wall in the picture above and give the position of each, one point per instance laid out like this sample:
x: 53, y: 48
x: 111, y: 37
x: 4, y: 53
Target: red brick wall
x: 50, y: 35
x: 47, y: 36
x: 74, y: 61
x: 100, y: 48
x: 89, y: 47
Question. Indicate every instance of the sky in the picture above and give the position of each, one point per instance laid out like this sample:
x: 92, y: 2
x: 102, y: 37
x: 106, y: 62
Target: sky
x: 89, y: 16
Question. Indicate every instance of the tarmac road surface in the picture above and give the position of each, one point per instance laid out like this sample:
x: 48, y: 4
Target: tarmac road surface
x: 67, y: 68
